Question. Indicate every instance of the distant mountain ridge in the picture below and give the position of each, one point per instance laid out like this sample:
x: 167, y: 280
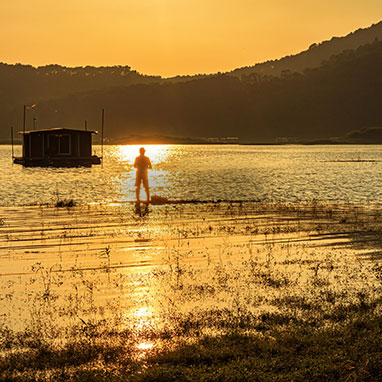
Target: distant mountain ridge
x: 329, y: 101
x: 316, y: 54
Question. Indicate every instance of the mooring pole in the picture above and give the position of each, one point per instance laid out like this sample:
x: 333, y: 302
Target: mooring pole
x: 24, y: 132
x: 24, y: 119
x: 103, y: 124
x: 12, y: 141
x: 86, y: 125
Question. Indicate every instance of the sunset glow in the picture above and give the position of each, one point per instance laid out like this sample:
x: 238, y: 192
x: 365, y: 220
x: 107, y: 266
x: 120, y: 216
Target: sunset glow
x: 191, y: 190
x: 172, y: 37
x: 158, y: 153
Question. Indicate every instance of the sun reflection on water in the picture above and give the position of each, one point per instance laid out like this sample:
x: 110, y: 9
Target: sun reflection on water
x: 142, y: 313
x: 145, y: 346
x: 143, y: 318
x: 156, y: 153
x: 159, y: 177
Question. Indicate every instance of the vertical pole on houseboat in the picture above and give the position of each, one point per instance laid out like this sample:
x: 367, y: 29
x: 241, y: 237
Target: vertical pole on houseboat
x: 24, y: 132
x: 24, y: 119
x: 12, y: 142
x: 103, y: 124
x: 86, y: 125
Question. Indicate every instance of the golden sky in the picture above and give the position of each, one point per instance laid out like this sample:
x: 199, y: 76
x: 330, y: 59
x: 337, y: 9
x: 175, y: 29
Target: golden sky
x: 170, y: 37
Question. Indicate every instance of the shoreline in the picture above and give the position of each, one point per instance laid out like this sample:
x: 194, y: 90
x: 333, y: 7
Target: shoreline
x: 303, y: 143
x: 163, y: 201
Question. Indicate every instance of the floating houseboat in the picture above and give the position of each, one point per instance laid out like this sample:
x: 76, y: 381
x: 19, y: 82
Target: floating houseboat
x: 57, y: 147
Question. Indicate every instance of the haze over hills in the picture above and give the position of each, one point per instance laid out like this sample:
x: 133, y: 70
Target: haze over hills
x: 313, y: 95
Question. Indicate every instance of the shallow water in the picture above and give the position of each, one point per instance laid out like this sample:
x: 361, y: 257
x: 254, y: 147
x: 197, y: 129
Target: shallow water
x: 60, y: 267
x: 206, y: 172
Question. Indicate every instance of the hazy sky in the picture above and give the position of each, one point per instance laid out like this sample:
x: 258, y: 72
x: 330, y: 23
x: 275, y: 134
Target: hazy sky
x: 170, y: 37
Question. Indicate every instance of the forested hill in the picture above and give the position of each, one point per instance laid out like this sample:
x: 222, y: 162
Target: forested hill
x: 316, y: 54
x: 340, y: 96
x: 26, y: 85
x: 50, y: 81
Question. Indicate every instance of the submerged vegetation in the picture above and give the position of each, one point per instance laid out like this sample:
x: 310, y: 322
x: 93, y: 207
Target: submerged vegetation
x: 219, y: 292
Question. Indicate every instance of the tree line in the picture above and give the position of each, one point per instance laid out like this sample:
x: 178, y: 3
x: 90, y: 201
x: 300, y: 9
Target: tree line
x: 341, y: 95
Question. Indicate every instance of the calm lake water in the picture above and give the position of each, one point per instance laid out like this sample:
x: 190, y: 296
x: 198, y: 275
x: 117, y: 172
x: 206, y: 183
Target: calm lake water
x: 206, y: 172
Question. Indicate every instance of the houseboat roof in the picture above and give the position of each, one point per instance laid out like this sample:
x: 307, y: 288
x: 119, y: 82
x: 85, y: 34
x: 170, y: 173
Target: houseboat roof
x: 57, y: 129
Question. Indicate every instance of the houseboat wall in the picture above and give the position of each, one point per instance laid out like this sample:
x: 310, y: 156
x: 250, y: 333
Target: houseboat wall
x: 75, y: 144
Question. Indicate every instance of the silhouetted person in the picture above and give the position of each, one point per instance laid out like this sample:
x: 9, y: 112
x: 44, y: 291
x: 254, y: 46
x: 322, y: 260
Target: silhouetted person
x: 142, y: 164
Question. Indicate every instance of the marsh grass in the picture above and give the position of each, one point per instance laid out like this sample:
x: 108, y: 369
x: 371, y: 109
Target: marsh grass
x: 255, y: 310
x: 65, y: 203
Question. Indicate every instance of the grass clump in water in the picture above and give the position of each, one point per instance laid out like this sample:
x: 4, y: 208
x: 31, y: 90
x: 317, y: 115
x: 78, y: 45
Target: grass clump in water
x: 65, y: 203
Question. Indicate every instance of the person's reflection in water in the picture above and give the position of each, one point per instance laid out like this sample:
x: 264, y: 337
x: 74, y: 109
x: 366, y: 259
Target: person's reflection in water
x: 141, y: 211
x: 142, y: 164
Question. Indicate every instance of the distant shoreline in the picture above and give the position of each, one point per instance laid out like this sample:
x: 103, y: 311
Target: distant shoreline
x: 310, y: 144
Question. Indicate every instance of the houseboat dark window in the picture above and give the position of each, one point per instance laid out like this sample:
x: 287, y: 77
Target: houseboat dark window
x: 53, y: 144
x: 64, y: 144
x: 59, y: 144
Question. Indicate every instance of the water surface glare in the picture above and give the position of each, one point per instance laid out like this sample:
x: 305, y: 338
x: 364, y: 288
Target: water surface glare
x: 206, y: 172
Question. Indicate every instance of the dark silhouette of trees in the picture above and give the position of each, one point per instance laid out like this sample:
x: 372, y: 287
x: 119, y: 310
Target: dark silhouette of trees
x: 316, y: 54
x: 340, y: 96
